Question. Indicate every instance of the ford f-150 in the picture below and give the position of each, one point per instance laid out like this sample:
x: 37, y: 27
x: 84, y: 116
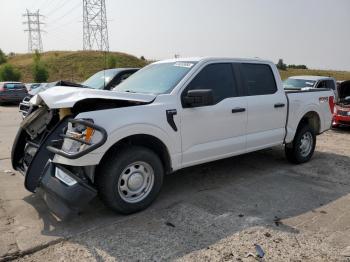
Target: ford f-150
x: 171, y: 114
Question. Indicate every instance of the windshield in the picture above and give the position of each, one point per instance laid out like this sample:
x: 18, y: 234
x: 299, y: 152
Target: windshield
x: 100, y: 79
x: 291, y: 83
x: 156, y: 78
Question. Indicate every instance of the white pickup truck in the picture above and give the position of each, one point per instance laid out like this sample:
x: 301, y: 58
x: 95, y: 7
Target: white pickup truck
x: 169, y: 115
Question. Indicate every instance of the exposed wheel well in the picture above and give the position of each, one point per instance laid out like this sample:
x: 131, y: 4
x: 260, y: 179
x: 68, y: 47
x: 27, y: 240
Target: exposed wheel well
x: 313, y: 120
x: 148, y: 141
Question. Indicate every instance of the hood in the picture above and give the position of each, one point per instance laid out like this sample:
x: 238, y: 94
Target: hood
x: 67, y: 97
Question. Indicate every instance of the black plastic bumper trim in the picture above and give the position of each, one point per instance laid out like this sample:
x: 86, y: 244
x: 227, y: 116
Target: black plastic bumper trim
x: 62, y: 199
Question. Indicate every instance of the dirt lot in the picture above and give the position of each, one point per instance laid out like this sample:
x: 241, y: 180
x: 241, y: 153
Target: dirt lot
x: 213, y: 212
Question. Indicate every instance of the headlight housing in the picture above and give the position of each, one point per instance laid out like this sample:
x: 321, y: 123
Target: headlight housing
x: 79, y: 136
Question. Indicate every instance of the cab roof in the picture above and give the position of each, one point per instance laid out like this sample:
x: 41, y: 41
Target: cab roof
x: 208, y: 59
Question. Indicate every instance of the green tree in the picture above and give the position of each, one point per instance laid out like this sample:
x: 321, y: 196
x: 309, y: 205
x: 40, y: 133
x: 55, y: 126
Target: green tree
x: 40, y: 73
x: 280, y: 65
x: 111, y: 61
x: 3, y: 58
x: 9, y: 73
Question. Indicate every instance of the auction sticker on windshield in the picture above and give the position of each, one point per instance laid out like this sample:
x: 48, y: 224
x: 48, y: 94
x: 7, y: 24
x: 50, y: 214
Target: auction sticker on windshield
x: 183, y: 64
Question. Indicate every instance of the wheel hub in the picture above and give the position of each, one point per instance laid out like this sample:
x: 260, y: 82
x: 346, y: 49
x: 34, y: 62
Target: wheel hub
x: 306, y: 144
x: 135, y: 181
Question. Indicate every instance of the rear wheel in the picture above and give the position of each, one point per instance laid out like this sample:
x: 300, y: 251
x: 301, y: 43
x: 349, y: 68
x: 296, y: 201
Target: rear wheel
x: 303, y: 146
x: 130, y: 180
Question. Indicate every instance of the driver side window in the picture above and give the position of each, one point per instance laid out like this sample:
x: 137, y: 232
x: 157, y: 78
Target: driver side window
x: 217, y: 77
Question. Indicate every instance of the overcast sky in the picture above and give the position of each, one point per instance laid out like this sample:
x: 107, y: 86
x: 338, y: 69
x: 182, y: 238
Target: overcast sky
x: 311, y: 32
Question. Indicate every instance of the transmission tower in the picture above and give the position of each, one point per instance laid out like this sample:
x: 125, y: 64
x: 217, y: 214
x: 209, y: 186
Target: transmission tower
x: 95, y: 25
x: 32, y: 20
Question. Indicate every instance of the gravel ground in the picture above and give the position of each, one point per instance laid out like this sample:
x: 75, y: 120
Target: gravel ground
x: 213, y: 212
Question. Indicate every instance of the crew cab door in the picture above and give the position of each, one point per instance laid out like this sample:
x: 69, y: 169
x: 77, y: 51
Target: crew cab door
x: 218, y: 130
x: 267, y: 106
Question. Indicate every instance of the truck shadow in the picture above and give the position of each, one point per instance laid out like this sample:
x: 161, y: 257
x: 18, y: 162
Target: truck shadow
x: 201, y: 205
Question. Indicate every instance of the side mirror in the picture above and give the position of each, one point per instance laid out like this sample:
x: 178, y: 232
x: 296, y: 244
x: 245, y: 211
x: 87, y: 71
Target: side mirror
x: 199, y: 97
x: 347, y: 99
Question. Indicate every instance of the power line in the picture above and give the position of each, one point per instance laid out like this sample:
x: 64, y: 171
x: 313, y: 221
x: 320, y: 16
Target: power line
x: 95, y: 32
x: 67, y: 13
x: 75, y: 19
x: 34, y: 30
x: 57, y: 7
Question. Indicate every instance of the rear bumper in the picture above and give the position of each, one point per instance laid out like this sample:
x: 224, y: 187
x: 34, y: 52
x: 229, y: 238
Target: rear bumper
x: 341, y: 120
x: 64, y: 197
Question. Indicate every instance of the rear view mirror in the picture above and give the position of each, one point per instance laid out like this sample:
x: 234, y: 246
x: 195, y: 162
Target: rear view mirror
x: 199, y: 97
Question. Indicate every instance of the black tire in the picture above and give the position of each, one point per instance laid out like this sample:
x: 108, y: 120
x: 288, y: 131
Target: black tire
x: 109, y: 175
x: 293, y: 151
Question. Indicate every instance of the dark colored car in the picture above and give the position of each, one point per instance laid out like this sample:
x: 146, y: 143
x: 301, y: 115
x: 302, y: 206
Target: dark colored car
x: 341, y: 115
x: 103, y: 80
x: 108, y: 79
x: 12, y: 92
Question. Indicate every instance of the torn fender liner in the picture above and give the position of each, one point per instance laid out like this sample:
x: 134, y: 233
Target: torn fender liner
x: 42, y: 156
x: 62, y: 199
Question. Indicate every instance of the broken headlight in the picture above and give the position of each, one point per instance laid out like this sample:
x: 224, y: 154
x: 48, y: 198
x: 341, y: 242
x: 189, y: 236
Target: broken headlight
x: 79, y: 136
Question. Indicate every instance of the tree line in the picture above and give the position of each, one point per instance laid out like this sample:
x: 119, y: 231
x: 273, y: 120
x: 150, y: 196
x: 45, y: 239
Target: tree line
x: 282, y: 66
x: 8, y: 72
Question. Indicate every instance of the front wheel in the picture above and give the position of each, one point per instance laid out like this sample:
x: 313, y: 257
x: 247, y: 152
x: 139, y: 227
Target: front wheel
x: 130, y: 180
x: 303, y: 146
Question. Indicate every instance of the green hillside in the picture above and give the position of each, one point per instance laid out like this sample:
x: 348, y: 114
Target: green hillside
x: 339, y: 75
x: 79, y: 65
x: 69, y: 65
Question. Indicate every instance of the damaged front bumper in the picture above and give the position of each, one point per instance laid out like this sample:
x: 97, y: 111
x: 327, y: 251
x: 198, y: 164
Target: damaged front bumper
x: 64, y: 190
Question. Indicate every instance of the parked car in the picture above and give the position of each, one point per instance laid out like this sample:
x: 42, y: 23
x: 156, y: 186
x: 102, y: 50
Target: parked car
x: 311, y: 82
x: 109, y: 79
x: 12, y: 92
x: 103, y: 80
x: 24, y: 106
x: 169, y: 115
x: 31, y: 86
x: 341, y: 115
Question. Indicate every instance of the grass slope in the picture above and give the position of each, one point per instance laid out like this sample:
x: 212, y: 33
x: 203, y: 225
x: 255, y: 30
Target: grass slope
x: 338, y: 75
x: 75, y: 66
x: 79, y: 65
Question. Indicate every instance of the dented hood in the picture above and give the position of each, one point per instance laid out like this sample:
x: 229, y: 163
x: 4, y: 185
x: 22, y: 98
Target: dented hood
x: 66, y: 97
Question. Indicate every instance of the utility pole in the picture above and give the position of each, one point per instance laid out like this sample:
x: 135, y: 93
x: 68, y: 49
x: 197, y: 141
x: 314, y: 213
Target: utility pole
x: 32, y: 20
x: 95, y: 33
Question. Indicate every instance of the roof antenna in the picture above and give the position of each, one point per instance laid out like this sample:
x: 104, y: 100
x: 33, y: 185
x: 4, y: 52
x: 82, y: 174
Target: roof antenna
x: 104, y: 70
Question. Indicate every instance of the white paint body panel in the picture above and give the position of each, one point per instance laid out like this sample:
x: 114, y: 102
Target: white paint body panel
x: 66, y: 97
x: 204, y: 134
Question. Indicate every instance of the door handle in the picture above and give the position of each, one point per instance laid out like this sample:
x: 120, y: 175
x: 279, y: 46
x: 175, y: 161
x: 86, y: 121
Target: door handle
x: 238, y: 110
x: 279, y: 105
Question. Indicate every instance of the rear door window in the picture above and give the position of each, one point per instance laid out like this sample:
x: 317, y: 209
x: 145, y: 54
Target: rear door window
x: 330, y: 84
x: 322, y: 84
x: 258, y: 79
